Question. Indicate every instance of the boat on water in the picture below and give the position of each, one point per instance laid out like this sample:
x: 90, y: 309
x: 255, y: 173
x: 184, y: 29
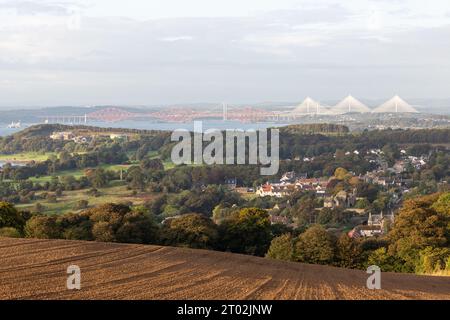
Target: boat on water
x: 15, y: 125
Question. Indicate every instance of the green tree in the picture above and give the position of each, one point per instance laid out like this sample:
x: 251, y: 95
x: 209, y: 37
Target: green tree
x: 44, y: 227
x: 433, y: 260
x: 98, y: 178
x: 417, y: 226
x: 247, y: 231
x: 10, y: 217
x: 190, y: 230
x: 281, y: 248
x: 442, y: 205
x: 341, y: 174
x: 76, y: 226
x: 385, y: 261
x: 151, y: 164
x: 135, y: 178
x: 315, y: 246
x: 118, y: 223
x: 348, y: 252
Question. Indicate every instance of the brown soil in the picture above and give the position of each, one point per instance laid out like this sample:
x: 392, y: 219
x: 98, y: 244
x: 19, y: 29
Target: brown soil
x: 36, y: 269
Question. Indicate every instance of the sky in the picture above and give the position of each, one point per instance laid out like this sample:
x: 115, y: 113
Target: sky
x: 141, y: 52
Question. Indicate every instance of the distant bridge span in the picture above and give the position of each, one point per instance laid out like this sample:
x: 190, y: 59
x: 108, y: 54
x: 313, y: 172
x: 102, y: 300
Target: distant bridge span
x: 113, y: 114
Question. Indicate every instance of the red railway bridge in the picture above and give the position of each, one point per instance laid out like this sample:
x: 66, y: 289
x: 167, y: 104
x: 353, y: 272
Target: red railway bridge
x: 112, y: 114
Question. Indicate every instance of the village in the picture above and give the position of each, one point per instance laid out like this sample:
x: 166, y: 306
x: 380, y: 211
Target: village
x: 390, y: 179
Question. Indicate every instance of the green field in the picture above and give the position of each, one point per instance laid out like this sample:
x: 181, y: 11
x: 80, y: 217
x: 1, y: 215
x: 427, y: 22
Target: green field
x: 27, y: 156
x: 116, y: 193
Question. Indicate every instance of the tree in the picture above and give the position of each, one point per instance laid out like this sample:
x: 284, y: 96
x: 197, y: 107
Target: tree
x: 44, y: 227
x: 247, y: 231
x: 118, y: 223
x: 152, y: 164
x: 325, y: 216
x: 281, y: 248
x: 135, y: 178
x: 76, y: 226
x: 341, y: 174
x: 385, y: 261
x: 433, y: 260
x: 190, y: 230
x: 442, y: 205
x: 315, y: 246
x: 10, y: 217
x: 98, y: 178
x: 348, y: 252
x: 417, y: 226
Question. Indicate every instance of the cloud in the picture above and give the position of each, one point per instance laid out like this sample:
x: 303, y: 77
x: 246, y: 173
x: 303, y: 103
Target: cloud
x: 42, y: 7
x: 362, y: 46
x: 177, y: 38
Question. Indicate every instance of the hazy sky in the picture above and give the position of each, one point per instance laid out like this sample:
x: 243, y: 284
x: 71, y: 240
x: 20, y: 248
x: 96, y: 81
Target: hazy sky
x: 141, y: 52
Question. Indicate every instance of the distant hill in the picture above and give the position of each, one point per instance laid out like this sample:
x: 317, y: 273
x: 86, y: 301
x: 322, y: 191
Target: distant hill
x: 44, y: 130
x: 37, y: 269
x: 315, y: 128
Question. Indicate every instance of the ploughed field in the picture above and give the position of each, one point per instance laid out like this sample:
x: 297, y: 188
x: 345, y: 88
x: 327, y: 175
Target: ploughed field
x: 37, y: 269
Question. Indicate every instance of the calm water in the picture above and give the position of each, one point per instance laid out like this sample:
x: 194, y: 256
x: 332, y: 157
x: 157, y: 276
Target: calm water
x: 19, y: 164
x: 209, y: 124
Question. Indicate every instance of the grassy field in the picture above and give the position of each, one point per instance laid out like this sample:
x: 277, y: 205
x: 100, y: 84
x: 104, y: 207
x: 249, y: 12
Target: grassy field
x: 27, y: 156
x: 116, y: 193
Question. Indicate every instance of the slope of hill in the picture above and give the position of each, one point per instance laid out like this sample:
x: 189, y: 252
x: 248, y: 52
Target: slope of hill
x: 36, y: 269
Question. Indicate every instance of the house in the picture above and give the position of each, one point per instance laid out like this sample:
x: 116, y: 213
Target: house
x: 288, y: 177
x: 62, y: 135
x: 365, y: 231
x: 277, y: 190
x: 399, y: 167
x: 274, y: 219
x: 265, y: 190
x: 376, y: 225
x: 231, y: 183
x: 118, y: 136
x: 380, y: 220
x: 342, y: 199
x: 81, y: 139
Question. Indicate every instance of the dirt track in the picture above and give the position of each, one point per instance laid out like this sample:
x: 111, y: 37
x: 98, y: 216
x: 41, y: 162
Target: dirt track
x: 36, y: 269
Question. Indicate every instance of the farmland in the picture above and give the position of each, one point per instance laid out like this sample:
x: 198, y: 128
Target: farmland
x: 26, y: 156
x: 116, y: 193
x: 36, y: 269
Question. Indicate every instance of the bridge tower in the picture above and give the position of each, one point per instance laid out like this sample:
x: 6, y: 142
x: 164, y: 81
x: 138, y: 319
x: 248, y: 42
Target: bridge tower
x: 225, y: 111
